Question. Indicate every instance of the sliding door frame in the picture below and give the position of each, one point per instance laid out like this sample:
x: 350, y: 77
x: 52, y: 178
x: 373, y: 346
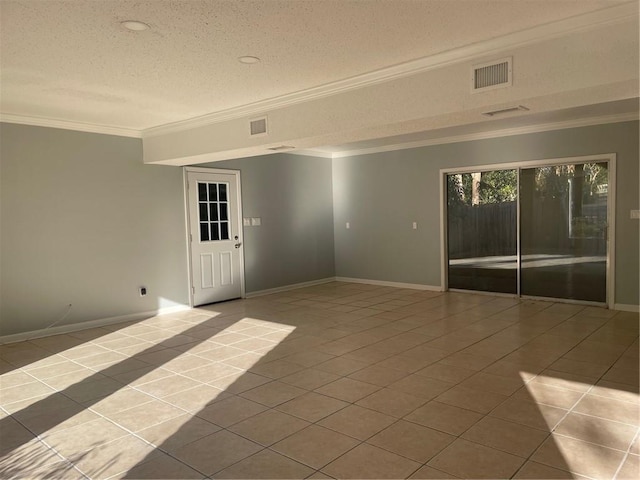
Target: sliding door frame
x: 610, y: 158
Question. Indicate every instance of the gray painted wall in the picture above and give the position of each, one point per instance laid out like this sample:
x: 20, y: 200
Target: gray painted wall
x: 382, y: 194
x: 292, y: 194
x: 85, y: 222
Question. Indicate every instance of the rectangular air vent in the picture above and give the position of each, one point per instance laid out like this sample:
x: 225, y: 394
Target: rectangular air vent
x: 502, y: 111
x: 258, y: 126
x: 281, y: 148
x: 490, y: 75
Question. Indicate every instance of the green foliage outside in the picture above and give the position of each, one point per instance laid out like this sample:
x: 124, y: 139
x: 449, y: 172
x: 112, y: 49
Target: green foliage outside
x: 580, y: 190
x: 552, y: 181
x: 500, y: 186
x: 496, y: 186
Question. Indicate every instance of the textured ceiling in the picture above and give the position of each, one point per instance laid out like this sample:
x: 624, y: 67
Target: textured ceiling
x: 73, y: 61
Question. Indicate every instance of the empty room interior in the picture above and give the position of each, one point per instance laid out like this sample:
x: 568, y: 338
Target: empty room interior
x: 319, y: 239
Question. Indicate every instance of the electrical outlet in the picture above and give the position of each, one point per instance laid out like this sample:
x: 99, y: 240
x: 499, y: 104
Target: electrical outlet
x: 246, y: 222
x: 415, y: 225
x: 635, y: 214
x: 256, y: 221
x: 348, y: 225
x: 142, y: 291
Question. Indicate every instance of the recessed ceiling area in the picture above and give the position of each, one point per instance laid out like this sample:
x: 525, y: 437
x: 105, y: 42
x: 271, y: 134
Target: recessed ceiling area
x: 510, y: 125
x: 73, y: 64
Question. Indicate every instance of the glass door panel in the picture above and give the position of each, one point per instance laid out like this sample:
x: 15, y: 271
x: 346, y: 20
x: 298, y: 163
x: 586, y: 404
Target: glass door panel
x: 563, y: 231
x: 482, y: 231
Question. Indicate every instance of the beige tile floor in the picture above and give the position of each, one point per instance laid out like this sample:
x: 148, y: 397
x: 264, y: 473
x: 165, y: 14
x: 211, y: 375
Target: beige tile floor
x: 334, y: 381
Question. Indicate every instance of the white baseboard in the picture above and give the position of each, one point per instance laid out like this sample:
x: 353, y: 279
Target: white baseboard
x: 413, y: 286
x: 100, y: 322
x: 626, y: 308
x: 286, y: 288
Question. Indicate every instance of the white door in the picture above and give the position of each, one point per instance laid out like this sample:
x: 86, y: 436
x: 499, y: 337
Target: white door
x: 213, y: 200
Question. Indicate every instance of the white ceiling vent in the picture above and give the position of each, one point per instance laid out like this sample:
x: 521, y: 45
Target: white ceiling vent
x: 281, y: 148
x: 490, y: 75
x: 502, y: 111
x: 258, y: 126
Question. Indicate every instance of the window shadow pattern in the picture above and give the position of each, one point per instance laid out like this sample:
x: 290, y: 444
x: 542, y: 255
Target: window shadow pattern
x: 343, y: 380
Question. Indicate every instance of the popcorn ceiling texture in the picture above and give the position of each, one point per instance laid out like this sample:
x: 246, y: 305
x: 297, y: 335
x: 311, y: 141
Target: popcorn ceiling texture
x: 72, y: 60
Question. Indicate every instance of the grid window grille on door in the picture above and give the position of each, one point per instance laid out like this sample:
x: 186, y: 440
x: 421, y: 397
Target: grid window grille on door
x: 213, y: 211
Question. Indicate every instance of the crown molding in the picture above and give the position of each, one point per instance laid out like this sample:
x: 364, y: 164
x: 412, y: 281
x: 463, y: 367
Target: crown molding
x: 544, y: 127
x: 67, y: 125
x: 506, y: 132
x: 599, y: 18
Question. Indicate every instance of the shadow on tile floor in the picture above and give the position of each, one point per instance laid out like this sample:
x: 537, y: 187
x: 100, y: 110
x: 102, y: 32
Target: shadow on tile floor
x: 334, y: 381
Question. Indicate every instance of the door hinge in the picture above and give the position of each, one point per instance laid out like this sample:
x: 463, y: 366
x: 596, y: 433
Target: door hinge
x: 193, y: 290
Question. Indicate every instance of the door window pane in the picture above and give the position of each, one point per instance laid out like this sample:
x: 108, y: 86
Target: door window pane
x: 202, y: 192
x: 224, y: 211
x: 213, y: 209
x: 482, y: 231
x: 214, y: 231
x: 223, y: 192
x: 204, y: 232
x: 203, y: 212
x: 224, y: 230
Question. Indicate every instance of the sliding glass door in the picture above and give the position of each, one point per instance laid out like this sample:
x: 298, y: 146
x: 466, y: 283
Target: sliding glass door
x: 564, y: 231
x: 535, y: 230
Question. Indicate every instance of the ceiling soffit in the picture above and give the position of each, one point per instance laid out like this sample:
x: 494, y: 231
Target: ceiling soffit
x: 468, y: 53
x: 587, y: 66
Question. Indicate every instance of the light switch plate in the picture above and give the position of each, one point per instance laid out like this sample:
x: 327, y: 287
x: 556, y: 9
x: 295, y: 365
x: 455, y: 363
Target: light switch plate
x: 256, y: 221
x: 635, y: 214
x: 246, y: 222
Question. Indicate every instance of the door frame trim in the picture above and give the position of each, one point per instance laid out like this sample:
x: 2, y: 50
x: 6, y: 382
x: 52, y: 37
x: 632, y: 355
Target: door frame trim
x: 187, y: 216
x: 611, y: 215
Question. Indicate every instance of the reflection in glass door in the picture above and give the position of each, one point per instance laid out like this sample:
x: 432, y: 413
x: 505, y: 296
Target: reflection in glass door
x: 482, y: 231
x: 564, y: 231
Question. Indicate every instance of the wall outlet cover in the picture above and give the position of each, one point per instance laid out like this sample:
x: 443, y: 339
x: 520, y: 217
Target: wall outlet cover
x: 246, y: 222
x: 635, y: 214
